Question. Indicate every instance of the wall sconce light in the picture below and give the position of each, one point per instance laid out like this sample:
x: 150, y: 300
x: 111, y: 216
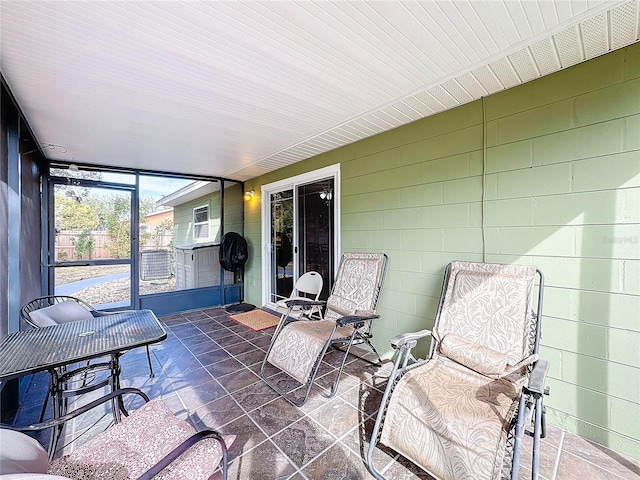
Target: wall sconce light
x: 249, y: 195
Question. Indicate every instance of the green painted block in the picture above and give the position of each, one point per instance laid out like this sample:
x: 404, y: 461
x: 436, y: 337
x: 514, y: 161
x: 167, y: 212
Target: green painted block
x: 421, y: 195
x: 476, y: 162
x: 624, y: 416
x: 413, y: 323
x: 354, y: 240
x: 533, y: 182
x: 448, y: 121
x: 422, y: 151
x: 604, y: 308
x: 404, y: 261
x: 491, y: 186
x: 631, y: 276
x: 464, y: 190
x: 415, y: 282
x: 371, y: 202
x: 624, y: 347
x: 462, y: 141
x: 608, y: 241
x: 579, y: 143
x: 581, y: 78
x: 587, y: 208
x: 557, y: 303
x: 434, y: 263
x: 394, y: 178
x: 598, y: 375
x: 632, y: 133
x: 361, y: 221
x: 491, y: 243
x: 511, y: 212
x: 616, y: 101
x: 402, y: 218
x: 631, y: 63
x: 446, y: 168
x: 462, y: 240
x: 402, y: 302
x: 577, y: 338
x: 598, y: 275
x: 534, y: 123
x: 551, y: 241
x: 510, y: 156
x: 422, y: 240
x: 622, y: 171
x: 510, y: 101
x: 393, y: 277
x: 576, y: 401
x: 442, y: 216
x: 365, y: 165
x: 427, y: 305
x: 384, y: 240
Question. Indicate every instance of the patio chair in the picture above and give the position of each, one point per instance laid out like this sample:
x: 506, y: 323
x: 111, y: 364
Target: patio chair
x: 299, y: 344
x: 461, y: 412
x: 307, y: 287
x: 55, y: 309
x: 149, y: 443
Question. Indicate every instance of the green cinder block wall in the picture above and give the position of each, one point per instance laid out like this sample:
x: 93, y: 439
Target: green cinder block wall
x: 561, y: 189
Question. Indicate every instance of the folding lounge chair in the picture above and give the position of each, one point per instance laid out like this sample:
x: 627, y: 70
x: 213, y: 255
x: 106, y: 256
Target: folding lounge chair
x: 461, y: 413
x: 149, y: 443
x: 299, y: 344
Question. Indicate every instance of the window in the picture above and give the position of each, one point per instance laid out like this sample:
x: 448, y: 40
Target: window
x: 201, y: 223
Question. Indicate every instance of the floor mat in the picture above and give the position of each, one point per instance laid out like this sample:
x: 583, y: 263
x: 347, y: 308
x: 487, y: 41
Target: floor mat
x: 256, y: 319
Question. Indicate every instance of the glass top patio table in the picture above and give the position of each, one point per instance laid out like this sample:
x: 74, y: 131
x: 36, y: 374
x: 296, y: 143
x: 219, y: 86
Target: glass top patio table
x: 40, y: 349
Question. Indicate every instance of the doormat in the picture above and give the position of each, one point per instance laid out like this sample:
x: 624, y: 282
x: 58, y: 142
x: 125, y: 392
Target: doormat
x: 256, y: 320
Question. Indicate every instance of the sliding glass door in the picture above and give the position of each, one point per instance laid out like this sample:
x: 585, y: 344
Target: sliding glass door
x: 300, y: 232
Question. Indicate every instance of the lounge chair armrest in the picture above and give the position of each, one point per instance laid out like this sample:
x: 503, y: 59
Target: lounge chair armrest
x: 538, y: 377
x: 342, y: 321
x: 408, y: 338
x: 78, y: 411
x: 183, y: 447
x: 300, y: 302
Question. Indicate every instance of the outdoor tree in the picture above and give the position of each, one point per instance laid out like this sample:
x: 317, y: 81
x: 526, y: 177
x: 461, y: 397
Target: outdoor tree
x: 114, y: 211
x: 72, y: 190
x: 84, y: 244
x: 73, y: 215
x: 118, y: 223
x: 165, y: 227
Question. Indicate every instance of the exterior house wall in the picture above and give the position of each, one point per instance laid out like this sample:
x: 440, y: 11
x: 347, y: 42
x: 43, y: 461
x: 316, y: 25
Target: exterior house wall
x: 561, y: 187
x: 183, y: 215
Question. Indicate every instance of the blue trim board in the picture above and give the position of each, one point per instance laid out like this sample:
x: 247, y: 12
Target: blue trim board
x: 181, y: 300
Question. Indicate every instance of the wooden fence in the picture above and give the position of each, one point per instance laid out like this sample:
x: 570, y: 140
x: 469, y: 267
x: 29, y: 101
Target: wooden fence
x: 65, y: 249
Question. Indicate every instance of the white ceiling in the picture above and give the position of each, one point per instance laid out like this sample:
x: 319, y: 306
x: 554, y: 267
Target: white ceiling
x: 238, y: 89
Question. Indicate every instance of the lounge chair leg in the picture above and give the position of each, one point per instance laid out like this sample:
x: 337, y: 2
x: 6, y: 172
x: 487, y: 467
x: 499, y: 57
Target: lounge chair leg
x: 537, y: 427
x: 515, y: 466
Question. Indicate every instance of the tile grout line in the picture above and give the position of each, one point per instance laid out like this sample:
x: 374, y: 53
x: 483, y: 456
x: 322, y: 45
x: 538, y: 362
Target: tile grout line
x: 557, y: 462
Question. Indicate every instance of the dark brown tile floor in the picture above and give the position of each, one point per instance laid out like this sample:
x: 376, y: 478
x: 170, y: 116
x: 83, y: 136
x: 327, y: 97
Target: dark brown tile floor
x: 206, y: 371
